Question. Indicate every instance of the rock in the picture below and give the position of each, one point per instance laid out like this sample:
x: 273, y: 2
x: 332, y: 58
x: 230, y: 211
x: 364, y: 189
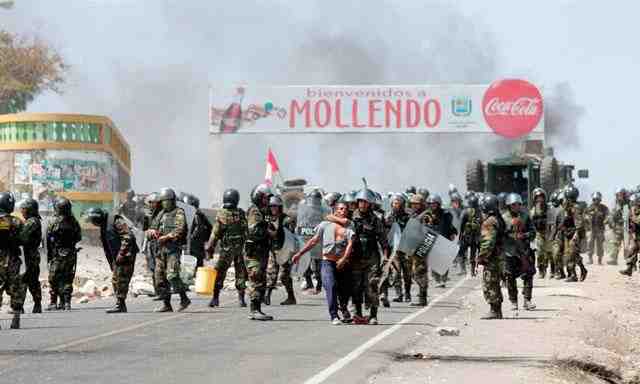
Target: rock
x: 89, y: 288
x: 83, y: 300
x: 141, y: 287
x: 448, y: 331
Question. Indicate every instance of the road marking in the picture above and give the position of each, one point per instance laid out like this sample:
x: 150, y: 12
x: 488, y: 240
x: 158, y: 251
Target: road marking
x: 338, y: 365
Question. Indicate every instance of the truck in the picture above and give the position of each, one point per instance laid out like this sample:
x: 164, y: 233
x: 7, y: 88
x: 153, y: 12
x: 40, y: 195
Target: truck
x: 530, y: 166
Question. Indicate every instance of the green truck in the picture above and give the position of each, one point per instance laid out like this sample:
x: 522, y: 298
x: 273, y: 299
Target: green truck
x: 529, y: 167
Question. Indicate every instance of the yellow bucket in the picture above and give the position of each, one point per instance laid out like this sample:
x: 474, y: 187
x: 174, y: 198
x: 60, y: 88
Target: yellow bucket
x: 205, y: 280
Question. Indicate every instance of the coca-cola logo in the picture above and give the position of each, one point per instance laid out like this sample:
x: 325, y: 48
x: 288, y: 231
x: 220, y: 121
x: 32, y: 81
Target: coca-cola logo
x: 512, y: 107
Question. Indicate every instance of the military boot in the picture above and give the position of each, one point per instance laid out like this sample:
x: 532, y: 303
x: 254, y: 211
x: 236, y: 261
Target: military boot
x: 407, y: 294
x: 185, y: 302
x: 118, y: 308
x: 599, y: 260
x: 265, y: 317
x: 166, y: 306
x: 67, y: 301
x: 463, y: 269
x: 308, y: 281
x: 590, y: 260
x: 53, y: 303
x: 358, y: 309
x: 514, y: 305
x: 266, y: 298
x: 560, y: 275
x: 373, y: 316
x: 528, y: 305
x: 542, y: 272
x: 291, y: 298
x: 15, y: 321
x: 571, y: 276
x: 241, y: 302
x: 628, y: 271
x: 215, y: 300
x: 495, y: 312
x: 37, y: 307
x: 384, y: 300
x: 552, y: 271
x: 422, y: 299
x: 473, y: 269
x: 60, y: 303
x: 583, y: 272
x: 256, y: 314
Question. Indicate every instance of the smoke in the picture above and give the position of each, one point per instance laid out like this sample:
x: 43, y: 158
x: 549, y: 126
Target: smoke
x: 147, y: 65
x: 562, y: 117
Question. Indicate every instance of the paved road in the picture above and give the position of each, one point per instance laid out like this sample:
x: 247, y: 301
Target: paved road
x: 220, y: 345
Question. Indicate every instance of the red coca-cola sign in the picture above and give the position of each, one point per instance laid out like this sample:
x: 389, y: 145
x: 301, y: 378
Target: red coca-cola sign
x: 512, y: 107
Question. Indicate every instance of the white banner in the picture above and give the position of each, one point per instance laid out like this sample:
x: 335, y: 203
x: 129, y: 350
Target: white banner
x: 378, y: 109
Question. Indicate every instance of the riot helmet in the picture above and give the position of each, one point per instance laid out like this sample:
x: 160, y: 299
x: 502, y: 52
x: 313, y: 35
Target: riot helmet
x: 62, y: 206
x: 275, y: 201
x: 191, y: 200
x: 539, y: 192
x: 230, y: 198
x: 452, y: 189
x: 634, y: 199
x: 260, y: 193
x: 411, y: 189
x: 489, y: 204
x: 96, y: 216
x: 7, y: 202
x: 502, y: 198
x: 366, y: 195
x: 424, y: 192
x: 596, y: 197
x: 130, y: 194
x: 571, y: 193
x: 166, y: 194
x: 513, y: 198
x: 472, y: 200
x: 30, y: 207
x: 332, y: 198
x: 434, y: 199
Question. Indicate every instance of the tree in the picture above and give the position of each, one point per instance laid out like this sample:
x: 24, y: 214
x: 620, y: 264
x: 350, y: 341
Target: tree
x: 28, y: 67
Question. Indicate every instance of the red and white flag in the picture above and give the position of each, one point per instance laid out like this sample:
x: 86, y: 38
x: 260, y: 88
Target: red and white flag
x: 272, y: 168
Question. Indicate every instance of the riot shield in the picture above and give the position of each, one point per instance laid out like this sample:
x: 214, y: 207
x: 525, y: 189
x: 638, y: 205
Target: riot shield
x: 190, y: 213
x: 394, y: 237
x: 138, y: 233
x: 456, y: 214
x: 308, y: 217
x: 412, y: 236
x: 298, y: 269
x: 290, y: 246
x: 625, y: 220
x: 438, y: 251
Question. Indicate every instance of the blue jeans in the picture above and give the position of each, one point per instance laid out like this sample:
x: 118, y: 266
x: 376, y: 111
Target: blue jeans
x: 329, y: 283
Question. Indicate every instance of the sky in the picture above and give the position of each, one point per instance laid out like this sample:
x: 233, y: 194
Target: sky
x: 147, y: 64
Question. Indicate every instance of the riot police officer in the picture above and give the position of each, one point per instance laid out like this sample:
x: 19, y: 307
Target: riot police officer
x: 10, y: 280
x: 490, y: 257
x: 30, y: 238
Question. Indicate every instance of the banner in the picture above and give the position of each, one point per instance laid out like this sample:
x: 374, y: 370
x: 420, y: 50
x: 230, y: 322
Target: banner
x: 510, y: 108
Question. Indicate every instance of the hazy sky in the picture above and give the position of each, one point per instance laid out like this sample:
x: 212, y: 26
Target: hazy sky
x: 147, y: 63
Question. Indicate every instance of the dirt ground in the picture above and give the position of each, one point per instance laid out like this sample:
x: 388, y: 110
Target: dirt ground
x: 579, y: 333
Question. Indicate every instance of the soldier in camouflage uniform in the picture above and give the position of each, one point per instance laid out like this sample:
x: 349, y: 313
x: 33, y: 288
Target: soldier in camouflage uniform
x: 418, y: 264
x: 519, y: 258
x: 277, y: 222
x: 129, y: 207
x: 470, y: 235
x: 30, y: 238
x: 490, y: 256
x: 539, y: 215
x: 257, y: 248
x: 119, y: 242
x: 230, y: 231
x: 596, y: 214
x: 63, y: 234
x: 440, y: 221
x: 616, y: 223
x: 170, y: 231
x: 150, y: 246
x: 557, y: 239
x: 10, y: 279
x: 401, y: 270
x: 571, y: 226
x: 199, y: 232
x: 631, y: 258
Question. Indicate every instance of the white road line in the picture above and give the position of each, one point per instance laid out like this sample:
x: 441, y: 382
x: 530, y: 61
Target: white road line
x: 338, y: 365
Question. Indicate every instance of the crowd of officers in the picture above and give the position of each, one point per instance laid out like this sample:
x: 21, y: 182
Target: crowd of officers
x: 499, y: 239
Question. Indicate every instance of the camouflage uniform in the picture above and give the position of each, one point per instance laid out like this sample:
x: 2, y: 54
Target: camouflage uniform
x: 571, y: 225
x: 173, y: 222
x: 401, y: 269
x: 470, y: 237
x: 544, y: 245
x: 557, y: 242
x: 10, y: 279
x: 256, y: 250
x: 366, y: 270
x: 616, y: 223
x: 440, y: 221
x: 230, y: 230
x: 631, y: 258
x: 63, y: 233
x: 519, y: 260
x: 273, y: 268
x: 31, y: 237
x: 118, y: 241
x: 492, y: 233
x: 597, y: 214
x: 200, y: 233
x: 151, y: 245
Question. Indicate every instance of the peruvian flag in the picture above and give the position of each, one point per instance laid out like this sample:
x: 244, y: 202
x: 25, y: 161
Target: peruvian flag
x: 272, y: 168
